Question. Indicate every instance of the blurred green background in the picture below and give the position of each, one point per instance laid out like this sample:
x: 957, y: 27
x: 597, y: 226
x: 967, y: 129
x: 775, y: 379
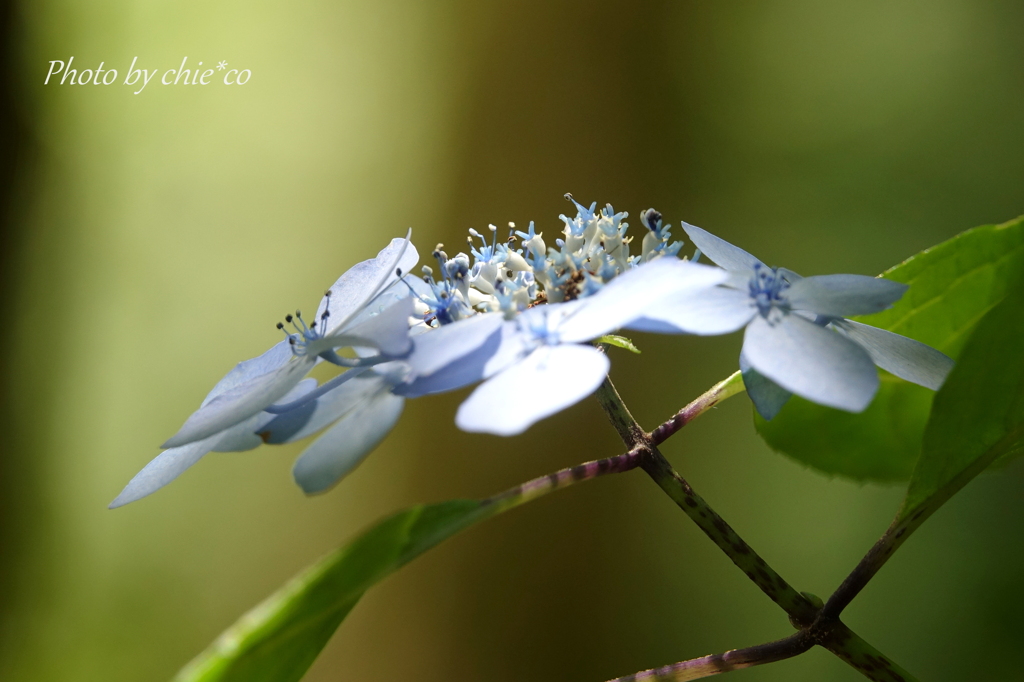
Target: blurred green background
x: 155, y: 239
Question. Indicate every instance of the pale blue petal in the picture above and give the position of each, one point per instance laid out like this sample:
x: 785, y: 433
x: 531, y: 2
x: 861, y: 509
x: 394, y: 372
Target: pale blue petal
x: 718, y: 310
x: 632, y: 293
x: 387, y: 331
x: 541, y: 384
x: 346, y: 444
x: 364, y: 281
x: 906, y: 358
x: 788, y: 275
x: 502, y: 348
x: 844, y: 295
x: 768, y: 397
x: 247, y: 370
x: 407, y: 287
x: 653, y: 326
x: 440, y: 347
x: 720, y: 251
x: 817, y: 363
x: 241, y: 402
x: 170, y: 464
x: 163, y: 469
x: 245, y: 436
x: 309, y: 418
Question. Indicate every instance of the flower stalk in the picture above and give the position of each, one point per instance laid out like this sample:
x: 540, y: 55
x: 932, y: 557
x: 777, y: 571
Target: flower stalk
x: 816, y: 625
x: 801, y: 611
x: 736, y: 659
x: 723, y: 390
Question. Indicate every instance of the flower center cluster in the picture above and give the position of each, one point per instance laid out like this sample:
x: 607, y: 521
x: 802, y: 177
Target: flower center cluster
x: 303, y: 334
x: 523, y: 271
x: 540, y: 329
x: 768, y: 290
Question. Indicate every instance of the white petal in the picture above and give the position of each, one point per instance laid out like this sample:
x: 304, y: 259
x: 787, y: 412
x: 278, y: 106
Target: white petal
x: 442, y: 346
x: 720, y: 251
x: 316, y: 414
x: 241, y: 402
x: 364, y: 281
x: 344, y: 446
x: 844, y: 295
x: 768, y: 397
x: 632, y: 293
x: 906, y: 358
x: 814, y: 362
x: 541, y: 384
x: 718, y: 310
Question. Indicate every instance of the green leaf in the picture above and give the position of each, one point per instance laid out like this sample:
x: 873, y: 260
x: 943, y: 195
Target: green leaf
x: 952, y: 286
x: 279, y: 639
x: 977, y: 418
x: 619, y: 341
x: 978, y: 414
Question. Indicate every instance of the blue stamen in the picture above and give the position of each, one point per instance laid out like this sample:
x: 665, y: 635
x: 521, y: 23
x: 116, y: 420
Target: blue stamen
x: 767, y: 287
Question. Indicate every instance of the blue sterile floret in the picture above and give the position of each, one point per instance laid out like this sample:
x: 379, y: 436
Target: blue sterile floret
x: 797, y: 339
x: 268, y: 399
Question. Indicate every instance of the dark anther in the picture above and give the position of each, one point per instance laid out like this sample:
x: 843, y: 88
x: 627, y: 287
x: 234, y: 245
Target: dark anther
x: 298, y: 313
x: 650, y: 218
x: 280, y: 325
x: 288, y: 318
x: 398, y: 272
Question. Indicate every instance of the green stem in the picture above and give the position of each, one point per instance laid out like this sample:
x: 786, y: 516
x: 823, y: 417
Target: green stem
x: 563, y: 478
x: 863, y: 657
x: 721, y: 391
x: 737, y: 659
x: 906, y: 522
x: 815, y: 623
x: 801, y: 611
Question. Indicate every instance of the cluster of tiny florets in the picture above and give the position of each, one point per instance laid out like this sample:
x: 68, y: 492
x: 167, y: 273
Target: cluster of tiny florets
x: 522, y: 271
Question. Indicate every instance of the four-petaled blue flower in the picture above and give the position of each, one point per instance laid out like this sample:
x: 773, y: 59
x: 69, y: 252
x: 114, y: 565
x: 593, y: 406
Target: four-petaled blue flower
x: 797, y: 339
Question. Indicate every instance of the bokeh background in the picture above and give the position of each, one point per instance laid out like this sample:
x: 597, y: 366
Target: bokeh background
x: 151, y: 241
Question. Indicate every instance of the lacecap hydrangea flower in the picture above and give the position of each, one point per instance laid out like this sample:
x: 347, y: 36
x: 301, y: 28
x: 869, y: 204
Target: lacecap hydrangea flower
x: 797, y: 338
x: 519, y: 316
